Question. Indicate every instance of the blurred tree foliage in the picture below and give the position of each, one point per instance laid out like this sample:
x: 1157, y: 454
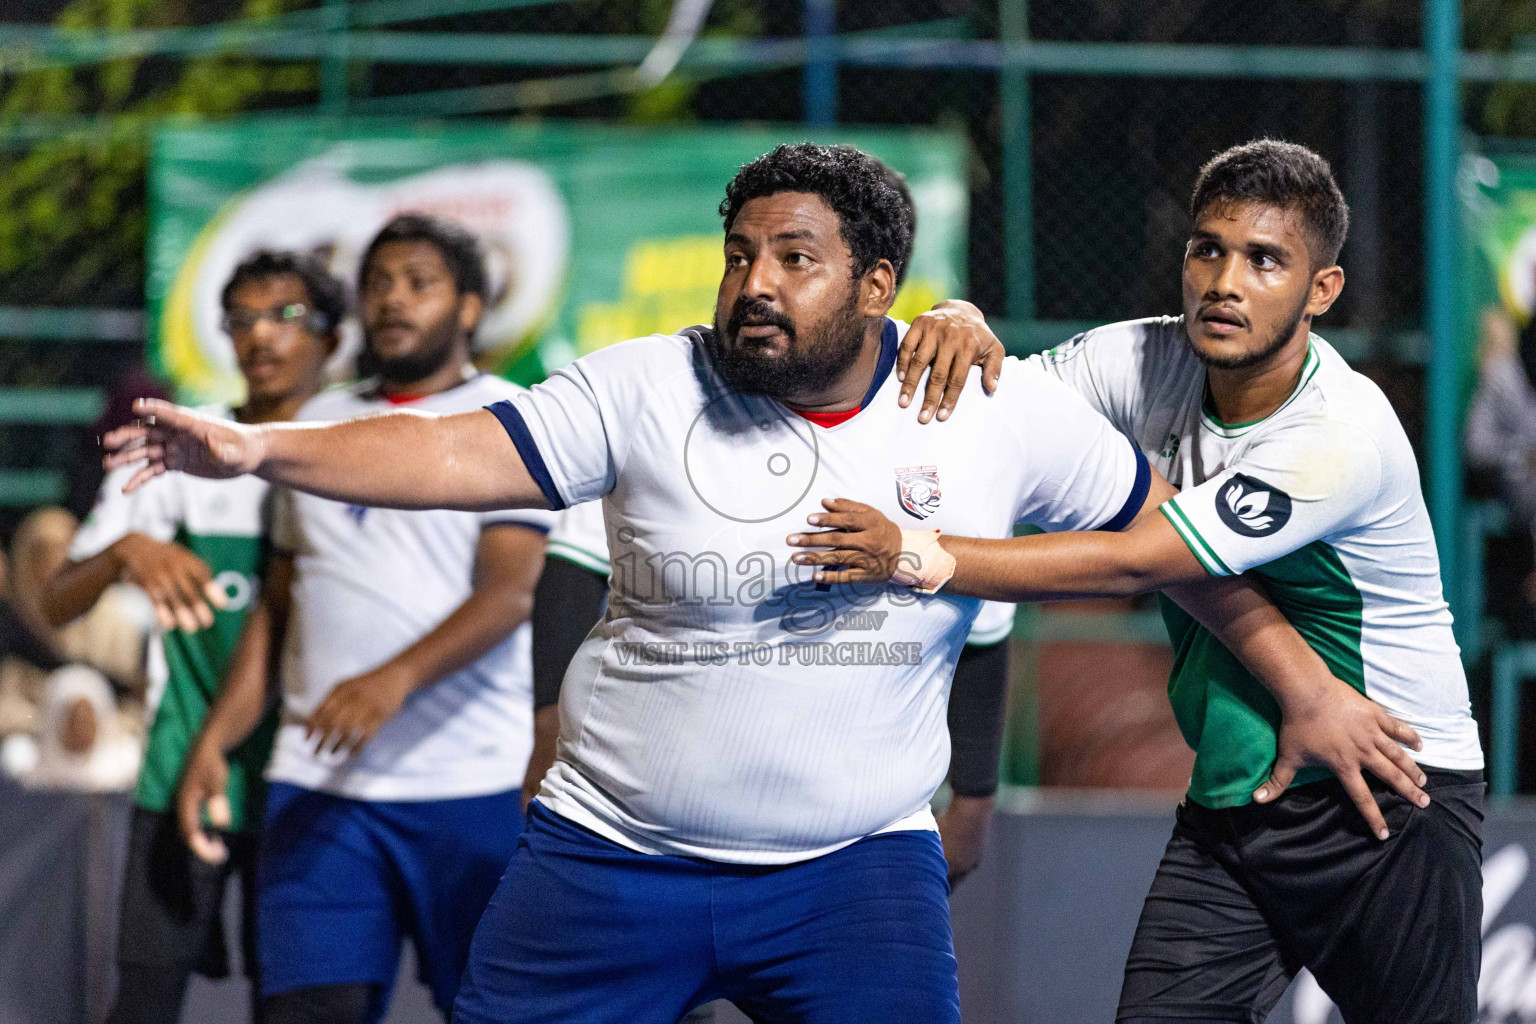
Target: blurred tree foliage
x: 72, y: 207
x: 1503, y: 108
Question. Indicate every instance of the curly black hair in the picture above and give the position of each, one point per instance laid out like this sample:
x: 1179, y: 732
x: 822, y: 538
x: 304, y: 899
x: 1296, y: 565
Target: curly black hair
x: 459, y: 249
x: 876, y: 216
x: 327, y: 295
x: 1281, y: 174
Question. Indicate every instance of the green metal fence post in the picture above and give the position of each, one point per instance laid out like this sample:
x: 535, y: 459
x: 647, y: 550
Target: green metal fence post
x: 1442, y: 127
x: 333, y: 66
x: 819, y: 75
x: 1018, y: 202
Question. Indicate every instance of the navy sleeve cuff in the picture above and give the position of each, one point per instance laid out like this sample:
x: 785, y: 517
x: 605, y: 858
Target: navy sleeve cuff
x: 1138, y: 495
x: 517, y: 430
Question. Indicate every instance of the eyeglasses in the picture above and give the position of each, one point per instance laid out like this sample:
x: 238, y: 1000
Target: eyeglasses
x: 282, y: 317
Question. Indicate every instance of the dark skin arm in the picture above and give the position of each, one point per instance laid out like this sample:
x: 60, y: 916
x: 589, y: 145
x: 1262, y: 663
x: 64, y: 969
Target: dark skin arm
x: 1326, y: 721
x: 177, y: 582
x: 507, y: 566
x: 249, y: 690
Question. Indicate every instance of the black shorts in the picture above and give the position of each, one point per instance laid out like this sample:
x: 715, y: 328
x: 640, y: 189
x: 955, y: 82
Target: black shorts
x: 1246, y: 897
x: 173, y: 903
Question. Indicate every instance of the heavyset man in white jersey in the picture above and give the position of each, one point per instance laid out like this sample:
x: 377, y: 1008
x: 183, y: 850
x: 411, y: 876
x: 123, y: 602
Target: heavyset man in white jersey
x: 1294, y: 467
x: 572, y: 595
x: 406, y: 720
x: 739, y: 807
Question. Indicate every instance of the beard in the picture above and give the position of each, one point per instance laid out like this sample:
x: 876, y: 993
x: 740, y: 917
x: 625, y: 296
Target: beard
x: 810, y: 364
x: 408, y: 368
x: 1274, y: 343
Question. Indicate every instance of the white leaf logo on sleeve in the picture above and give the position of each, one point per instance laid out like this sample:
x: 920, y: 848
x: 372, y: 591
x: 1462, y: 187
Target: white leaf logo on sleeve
x: 1251, y: 507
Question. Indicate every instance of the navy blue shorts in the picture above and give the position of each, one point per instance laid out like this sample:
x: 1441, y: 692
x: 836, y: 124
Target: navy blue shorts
x: 583, y: 931
x: 340, y: 881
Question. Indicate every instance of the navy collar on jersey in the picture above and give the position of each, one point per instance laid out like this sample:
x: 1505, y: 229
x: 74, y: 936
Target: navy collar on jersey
x: 883, y: 368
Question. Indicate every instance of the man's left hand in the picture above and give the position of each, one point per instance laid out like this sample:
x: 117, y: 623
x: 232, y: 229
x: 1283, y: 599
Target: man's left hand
x: 948, y: 340
x: 357, y: 708
x: 865, y: 546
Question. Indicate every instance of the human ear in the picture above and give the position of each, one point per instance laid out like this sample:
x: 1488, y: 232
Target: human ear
x: 878, y: 288
x: 1327, y: 284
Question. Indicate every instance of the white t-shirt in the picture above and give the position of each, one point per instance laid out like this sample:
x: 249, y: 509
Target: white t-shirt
x: 580, y: 536
x: 368, y: 583
x: 727, y: 707
x: 1322, y: 497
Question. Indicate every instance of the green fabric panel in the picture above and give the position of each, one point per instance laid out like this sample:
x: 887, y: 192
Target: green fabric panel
x: 196, y: 663
x: 1227, y: 717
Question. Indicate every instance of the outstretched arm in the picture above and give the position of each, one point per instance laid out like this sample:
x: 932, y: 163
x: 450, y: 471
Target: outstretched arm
x: 403, y: 460
x: 1149, y: 555
x: 1324, y: 720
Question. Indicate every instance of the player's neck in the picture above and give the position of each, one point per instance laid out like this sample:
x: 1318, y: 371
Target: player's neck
x: 849, y: 389
x: 1254, y: 392
x: 274, y: 410
x: 450, y: 375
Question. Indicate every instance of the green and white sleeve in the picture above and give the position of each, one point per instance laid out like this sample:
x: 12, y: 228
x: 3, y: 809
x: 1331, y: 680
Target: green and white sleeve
x: 1298, y: 486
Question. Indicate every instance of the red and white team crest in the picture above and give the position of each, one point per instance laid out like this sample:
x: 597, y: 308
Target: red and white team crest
x: 917, y: 488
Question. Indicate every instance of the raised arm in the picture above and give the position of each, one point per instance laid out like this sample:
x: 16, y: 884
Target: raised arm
x: 1324, y: 720
x: 403, y: 460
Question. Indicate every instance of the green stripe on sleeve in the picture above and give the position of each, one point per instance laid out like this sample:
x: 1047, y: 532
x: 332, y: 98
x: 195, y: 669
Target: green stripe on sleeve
x: 1191, y: 536
x: 580, y: 557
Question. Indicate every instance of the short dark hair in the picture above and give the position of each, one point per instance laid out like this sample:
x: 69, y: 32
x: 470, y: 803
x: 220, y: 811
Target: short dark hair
x: 875, y: 214
x: 459, y: 249
x: 1281, y: 174
x: 327, y: 295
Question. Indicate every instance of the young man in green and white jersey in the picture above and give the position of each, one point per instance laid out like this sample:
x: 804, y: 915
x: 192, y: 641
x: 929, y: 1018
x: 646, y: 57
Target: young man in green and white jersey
x: 1293, y: 466
x: 197, y: 547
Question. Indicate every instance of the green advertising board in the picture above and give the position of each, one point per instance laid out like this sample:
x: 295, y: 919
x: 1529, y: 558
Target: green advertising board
x: 1498, y: 242
x: 592, y: 234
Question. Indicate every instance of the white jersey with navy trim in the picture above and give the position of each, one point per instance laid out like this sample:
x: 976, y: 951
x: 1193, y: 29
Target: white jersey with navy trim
x: 727, y: 706
x: 368, y: 583
x: 580, y: 536
x: 1321, y: 498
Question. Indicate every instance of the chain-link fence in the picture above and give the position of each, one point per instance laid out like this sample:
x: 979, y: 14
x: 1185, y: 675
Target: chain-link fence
x: 1085, y: 120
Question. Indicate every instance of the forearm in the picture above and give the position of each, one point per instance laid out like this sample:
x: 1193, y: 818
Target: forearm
x: 77, y: 586
x: 976, y: 710
x: 566, y: 605
x: 248, y: 689
x: 1239, y: 613
x: 486, y: 618
x: 402, y: 460
x: 1048, y: 567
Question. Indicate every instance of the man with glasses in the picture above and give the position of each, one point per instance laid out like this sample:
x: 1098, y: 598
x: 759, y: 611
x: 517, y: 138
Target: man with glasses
x: 197, y: 547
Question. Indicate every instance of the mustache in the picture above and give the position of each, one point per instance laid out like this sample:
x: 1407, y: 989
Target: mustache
x: 757, y: 313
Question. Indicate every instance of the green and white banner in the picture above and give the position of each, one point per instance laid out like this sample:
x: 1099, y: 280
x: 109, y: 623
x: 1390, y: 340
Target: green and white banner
x: 1498, y: 243
x: 593, y: 234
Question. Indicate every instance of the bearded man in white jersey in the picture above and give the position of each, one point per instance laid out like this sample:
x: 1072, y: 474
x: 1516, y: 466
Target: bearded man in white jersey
x: 1295, y: 467
x: 402, y: 648
x: 739, y: 807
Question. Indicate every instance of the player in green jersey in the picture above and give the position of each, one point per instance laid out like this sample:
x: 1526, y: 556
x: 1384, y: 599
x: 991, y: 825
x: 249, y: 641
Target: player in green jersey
x: 197, y: 548
x: 1290, y: 465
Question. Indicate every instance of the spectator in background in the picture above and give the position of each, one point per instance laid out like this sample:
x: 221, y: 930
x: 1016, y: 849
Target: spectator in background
x: 82, y: 744
x: 20, y: 645
x: 197, y: 548
x: 1501, y: 426
x: 110, y: 637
